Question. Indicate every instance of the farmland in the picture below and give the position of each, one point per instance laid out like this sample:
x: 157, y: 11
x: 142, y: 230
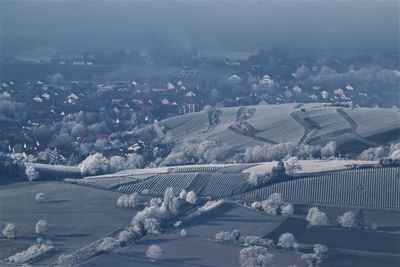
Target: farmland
x: 334, y: 187
x: 305, y: 123
x: 357, y: 188
x: 189, y: 251
x: 73, y: 213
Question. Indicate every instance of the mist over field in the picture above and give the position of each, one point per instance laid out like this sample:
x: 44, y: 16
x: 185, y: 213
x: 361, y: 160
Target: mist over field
x: 199, y: 133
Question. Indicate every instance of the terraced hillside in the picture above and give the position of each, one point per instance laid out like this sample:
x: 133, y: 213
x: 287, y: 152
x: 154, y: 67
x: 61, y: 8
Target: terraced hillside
x: 325, y: 182
x: 369, y: 188
x: 353, y: 129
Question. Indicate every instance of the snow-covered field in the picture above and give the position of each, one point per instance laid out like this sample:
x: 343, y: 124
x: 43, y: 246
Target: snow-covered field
x: 277, y: 123
x: 312, y: 166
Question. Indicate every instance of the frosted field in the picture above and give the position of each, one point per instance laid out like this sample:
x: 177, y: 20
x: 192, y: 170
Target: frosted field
x: 188, y: 251
x: 229, y: 217
x: 327, y: 118
x: 311, y: 166
x: 374, y: 121
x: 199, y: 247
x: 338, y: 237
x: 76, y: 215
x: 276, y: 123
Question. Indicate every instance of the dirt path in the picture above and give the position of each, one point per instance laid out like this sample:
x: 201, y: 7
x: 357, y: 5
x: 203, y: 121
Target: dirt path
x: 309, y: 133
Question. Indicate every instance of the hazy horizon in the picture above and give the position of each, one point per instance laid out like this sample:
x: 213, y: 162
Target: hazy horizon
x: 239, y: 25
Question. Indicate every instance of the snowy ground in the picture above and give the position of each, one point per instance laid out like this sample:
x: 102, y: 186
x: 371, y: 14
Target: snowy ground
x: 312, y: 166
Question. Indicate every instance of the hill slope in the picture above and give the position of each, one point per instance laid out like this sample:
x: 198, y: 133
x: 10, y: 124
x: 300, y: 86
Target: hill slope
x: 353, y: 129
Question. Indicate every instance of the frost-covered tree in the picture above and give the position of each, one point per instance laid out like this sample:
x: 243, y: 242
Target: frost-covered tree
x: 183, y: 233
x: 373, y: 153
x: 128, y: 201
x: 10, y: 230
x: 108, y: 244
x: 170, y: 202
x: 94, y: 164
x: 126, y: 236
x: 257, y: 178
x: 315, y: 259
x: 292, y: 166
x: 259, y: 241
x: 287, y: 210
x: 41, y: 227
x: 183, y: 194
x: 154, y: 252
x: 223, y: 236
x: 287, y: 241
x: 66, y: 260
x: 191, y: 197
x: 329, y: 150
x: 30, y: 172
x: 274, y: 205
x: 153, y: 217
x: 41, y: 197
x: 316, y: 217
x: 347, y: 219
x: 256, y: 256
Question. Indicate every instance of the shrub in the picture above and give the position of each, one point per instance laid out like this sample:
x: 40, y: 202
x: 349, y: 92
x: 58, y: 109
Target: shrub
x: 10, y: 230
x: 41, y: 198
x: 154, y: 252
x: 236, y: 236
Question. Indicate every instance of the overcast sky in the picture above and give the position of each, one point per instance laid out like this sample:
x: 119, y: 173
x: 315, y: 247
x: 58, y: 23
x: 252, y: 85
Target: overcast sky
x: 240, y: 25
